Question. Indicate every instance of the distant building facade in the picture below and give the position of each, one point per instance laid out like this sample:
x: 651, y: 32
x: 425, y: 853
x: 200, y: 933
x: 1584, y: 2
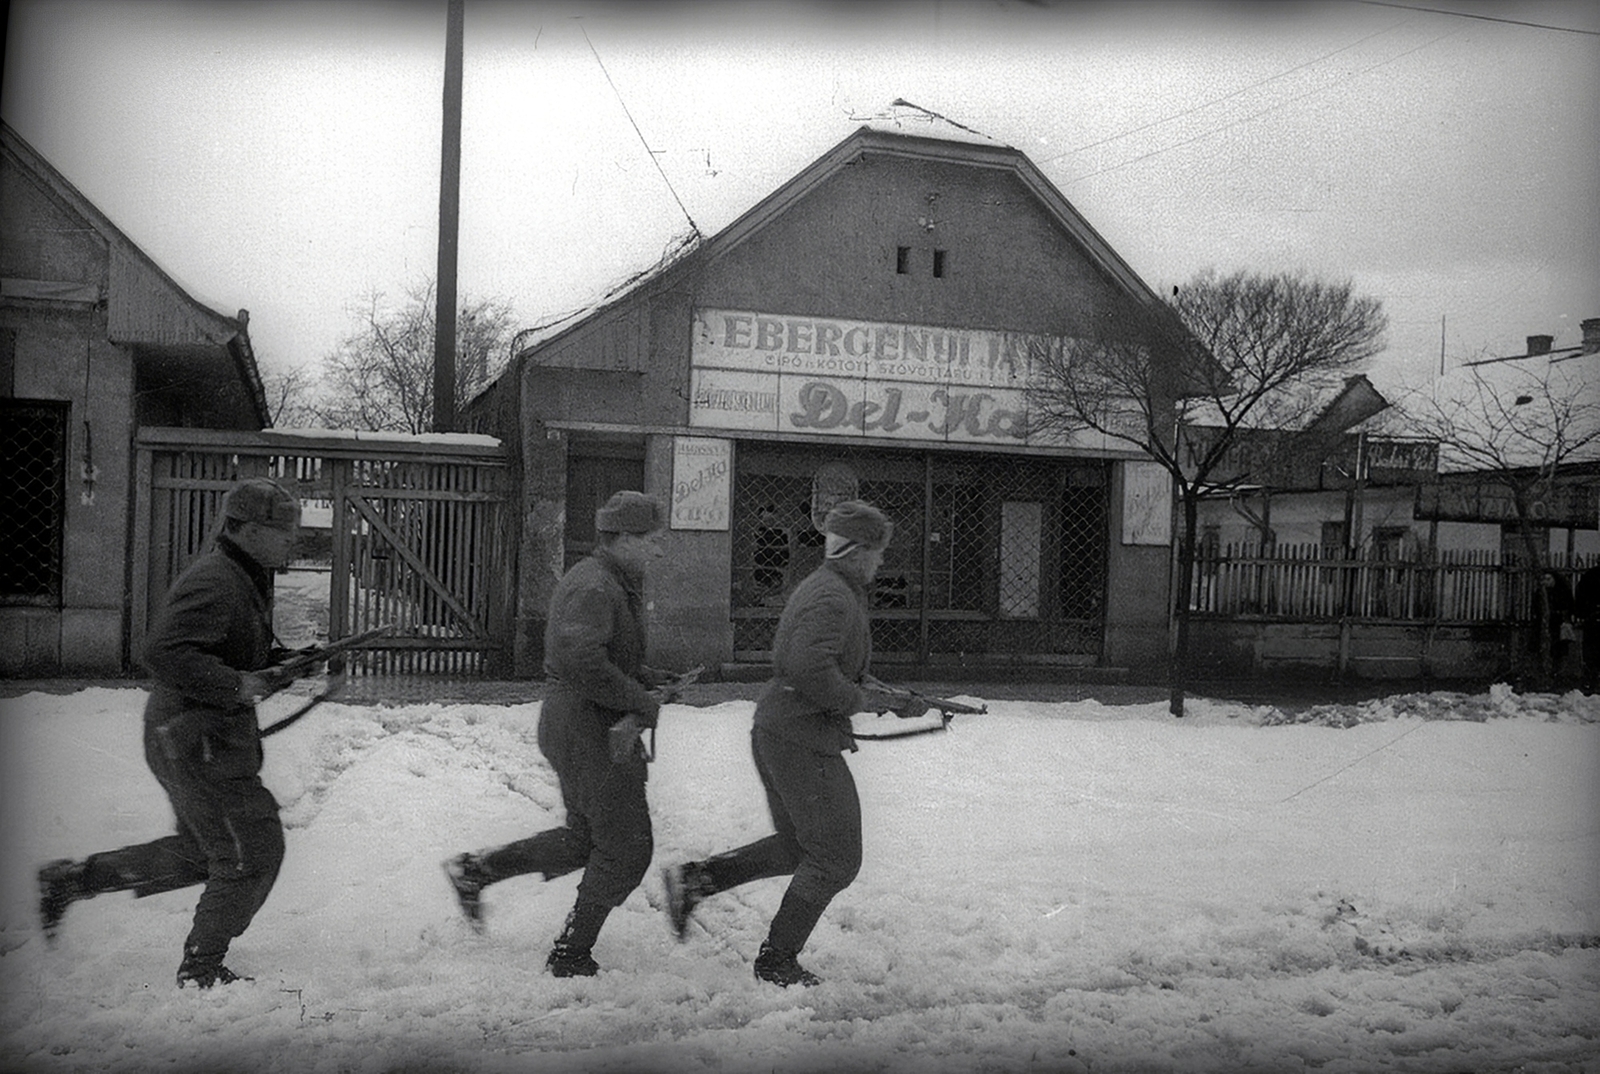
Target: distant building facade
x: 862, y: 332
x: 95, y: 341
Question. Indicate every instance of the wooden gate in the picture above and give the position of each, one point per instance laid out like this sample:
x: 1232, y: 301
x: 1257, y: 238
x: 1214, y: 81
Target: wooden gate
x: 418, y: 534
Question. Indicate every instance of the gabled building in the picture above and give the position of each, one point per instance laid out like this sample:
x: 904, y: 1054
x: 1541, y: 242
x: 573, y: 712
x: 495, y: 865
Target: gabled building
x: 864, y: 331
x: 95, y: 341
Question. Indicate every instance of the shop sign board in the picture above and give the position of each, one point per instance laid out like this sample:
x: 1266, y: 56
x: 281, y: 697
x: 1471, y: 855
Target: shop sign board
x: 1146, y: 504
x: 753, y: 371
x: 702, y: 469
x: 1566, y: 505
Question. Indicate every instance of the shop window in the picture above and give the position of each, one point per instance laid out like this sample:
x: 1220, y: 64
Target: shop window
x: 902, y: 260
x: 938, y: 264
x: 34, y: 489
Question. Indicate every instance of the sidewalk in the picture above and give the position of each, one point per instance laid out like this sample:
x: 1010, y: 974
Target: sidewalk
x: 408, y: 690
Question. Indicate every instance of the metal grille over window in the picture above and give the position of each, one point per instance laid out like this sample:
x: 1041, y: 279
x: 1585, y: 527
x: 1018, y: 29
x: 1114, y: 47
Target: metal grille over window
x: 994, y: 559
x: 34, y: 491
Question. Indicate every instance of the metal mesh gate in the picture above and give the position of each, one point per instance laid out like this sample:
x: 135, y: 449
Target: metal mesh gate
x: 995, y: 559
x: 33, y: 488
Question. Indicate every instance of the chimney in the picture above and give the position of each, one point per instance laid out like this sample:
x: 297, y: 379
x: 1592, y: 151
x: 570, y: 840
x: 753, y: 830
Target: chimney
x: 1591, y: 336
x: 1539, y: 344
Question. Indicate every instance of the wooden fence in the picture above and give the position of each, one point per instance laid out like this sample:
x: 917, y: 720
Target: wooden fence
x: 1305, y: 582
x: 418, y: 535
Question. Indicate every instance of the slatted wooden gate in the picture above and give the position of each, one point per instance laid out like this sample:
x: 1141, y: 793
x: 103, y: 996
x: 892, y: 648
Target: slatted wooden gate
x: 418, y: 534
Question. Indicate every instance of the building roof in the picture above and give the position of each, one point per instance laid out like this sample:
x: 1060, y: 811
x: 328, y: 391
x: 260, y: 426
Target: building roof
x: 174, y: 335
x: 903, y: 130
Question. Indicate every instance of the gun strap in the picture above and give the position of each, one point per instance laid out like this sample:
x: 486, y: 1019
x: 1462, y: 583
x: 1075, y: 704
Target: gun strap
x: 944, y: 725
x: 334, y: 685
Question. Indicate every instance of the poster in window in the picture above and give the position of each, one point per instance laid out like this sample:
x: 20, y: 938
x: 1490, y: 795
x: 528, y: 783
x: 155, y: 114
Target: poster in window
x: 1146, y: 504
x: 701, y: 481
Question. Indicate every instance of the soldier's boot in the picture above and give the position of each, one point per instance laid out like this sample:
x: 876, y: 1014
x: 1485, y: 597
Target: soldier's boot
x: 61, y: 883
x: 687, y: 885
x: 203, y: 969
x: 782, y: 968
x: 572, y: 955
x: 468, y: 877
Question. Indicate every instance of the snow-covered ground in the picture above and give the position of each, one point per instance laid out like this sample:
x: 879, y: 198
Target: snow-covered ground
x: 1050, y: 887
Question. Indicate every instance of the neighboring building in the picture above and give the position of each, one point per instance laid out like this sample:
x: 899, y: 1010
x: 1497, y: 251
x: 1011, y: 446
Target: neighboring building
x: 863, y: 331
x: 95, y: 341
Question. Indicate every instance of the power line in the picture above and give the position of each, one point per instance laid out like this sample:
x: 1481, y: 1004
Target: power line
x: 1224, y: 97
x: 648, y: 151
x: 1477, y: 15
x: 1257, y: 115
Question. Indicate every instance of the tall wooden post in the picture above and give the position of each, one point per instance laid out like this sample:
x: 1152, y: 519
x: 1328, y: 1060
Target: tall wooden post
x: 444, y: 321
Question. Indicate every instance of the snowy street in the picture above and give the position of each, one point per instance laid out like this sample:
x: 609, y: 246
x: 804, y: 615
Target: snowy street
x: 1051, y: 887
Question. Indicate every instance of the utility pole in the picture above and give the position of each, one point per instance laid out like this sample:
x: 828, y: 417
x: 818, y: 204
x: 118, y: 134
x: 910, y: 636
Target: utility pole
x: 444, y: 320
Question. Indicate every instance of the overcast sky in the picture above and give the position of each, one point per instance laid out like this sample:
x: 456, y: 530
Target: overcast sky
x: 284, y: 157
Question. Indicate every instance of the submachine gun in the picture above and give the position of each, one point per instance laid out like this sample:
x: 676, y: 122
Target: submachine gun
x: 626, y: 738
x: 301, y: 663
x: 947, y: 709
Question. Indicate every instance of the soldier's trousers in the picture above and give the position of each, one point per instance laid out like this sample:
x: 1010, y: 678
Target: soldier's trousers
x: 229, y: 838
x: 816, y: 812
x: 607, y: 832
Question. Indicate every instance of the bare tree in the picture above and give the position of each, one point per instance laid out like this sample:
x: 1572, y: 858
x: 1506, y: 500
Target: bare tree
x: 381, y: 376
x: 290, y: 397
x: 1228, y: 353
x: 1517, y: 427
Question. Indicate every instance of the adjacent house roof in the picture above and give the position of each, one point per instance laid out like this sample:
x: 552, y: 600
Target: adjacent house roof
x: 175, y: 338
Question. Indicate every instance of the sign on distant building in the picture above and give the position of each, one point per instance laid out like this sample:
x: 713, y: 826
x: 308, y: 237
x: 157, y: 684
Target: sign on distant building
x: 774, y: 373
x: 701, y: 480
x: 1575, y: 506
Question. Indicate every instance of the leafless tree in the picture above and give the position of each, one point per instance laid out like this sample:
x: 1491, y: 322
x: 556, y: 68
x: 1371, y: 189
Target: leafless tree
x: 291, y: 400
x: 1227, y: 353
x: 381, y: 376
x: 1516, y: 427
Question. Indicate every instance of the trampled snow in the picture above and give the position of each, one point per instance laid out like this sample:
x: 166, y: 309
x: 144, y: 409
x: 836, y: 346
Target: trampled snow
x: 1406, y: 885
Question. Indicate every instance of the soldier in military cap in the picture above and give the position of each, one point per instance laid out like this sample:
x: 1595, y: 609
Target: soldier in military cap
x: 594, y: 649
x: 201, y: 740
x: 820, y: 652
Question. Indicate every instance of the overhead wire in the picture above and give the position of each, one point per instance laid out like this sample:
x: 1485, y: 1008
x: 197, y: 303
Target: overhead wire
x: 1257, y: 115
x: 1226, y: 96
x: 695, y: 228
x: 1482, y: 16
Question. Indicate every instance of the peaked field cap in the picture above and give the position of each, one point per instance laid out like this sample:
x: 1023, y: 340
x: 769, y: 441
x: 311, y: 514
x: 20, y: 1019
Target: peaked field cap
x: 860, y: 522
x: 262, y: 500
x: 629, y: 512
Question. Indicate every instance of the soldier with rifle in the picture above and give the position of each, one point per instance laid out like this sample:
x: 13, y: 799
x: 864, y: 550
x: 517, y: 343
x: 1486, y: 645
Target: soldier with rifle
x: 820, y: 654
x: 210, y: 654
x: 600, y: 694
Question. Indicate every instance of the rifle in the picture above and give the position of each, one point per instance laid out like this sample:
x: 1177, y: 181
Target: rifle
x: 948, y: 709
x: 626, y: 737
x: 304, y: 662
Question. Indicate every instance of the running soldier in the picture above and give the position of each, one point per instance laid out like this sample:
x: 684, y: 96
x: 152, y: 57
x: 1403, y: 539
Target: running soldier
x: 594, y: 648
x: 202, y: 742
x: 802, y: 728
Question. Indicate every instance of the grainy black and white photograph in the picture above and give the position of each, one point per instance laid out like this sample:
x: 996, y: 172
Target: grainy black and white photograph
x: 1007, y: 536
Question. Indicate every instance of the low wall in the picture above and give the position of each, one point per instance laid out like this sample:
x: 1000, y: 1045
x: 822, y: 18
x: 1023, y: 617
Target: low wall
x: 1244, y: 647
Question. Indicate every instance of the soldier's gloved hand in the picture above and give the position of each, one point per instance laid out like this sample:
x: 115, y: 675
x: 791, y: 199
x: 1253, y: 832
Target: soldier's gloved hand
x: 647, y: 716
x: 254, y: 685
x: 910, y: 708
